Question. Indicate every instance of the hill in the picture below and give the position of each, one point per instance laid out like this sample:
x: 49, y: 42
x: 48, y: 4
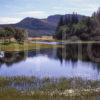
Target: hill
x: 39, y: 27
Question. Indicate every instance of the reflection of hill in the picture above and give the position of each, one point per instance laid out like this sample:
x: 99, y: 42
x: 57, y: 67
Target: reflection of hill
x: 49, y: 52
x: 15, y: 57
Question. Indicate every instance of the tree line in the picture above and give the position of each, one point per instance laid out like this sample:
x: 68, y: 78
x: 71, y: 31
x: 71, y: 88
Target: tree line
x: 7, y: 33
x: 85, y: 28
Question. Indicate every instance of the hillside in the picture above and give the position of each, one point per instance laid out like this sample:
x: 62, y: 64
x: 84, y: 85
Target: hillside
x: 39, y: 27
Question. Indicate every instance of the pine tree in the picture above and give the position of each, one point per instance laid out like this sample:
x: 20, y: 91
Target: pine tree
x: 74, y: 18
x: 61, y: 21
x: 66, y: 20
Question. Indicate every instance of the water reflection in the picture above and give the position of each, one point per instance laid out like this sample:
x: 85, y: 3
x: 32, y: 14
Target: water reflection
x: 84, y: 52
x: 12, y: 57
x: 72, y: 60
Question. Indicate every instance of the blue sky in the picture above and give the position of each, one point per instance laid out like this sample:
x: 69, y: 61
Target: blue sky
x: 12, y: 11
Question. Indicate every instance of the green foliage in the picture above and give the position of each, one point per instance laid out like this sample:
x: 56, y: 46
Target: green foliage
x: 66, y: 26
x: 20, y: 35
x: 84, y: 29
x: 9, y: 32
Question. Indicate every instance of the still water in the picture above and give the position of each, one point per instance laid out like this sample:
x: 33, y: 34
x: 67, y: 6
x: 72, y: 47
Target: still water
x: 53, y: 63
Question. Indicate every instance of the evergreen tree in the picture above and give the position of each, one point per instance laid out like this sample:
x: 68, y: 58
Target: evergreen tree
x: 61, y: 21
x: 74, y: 18
x: 66, y: 20
x: 58, y: 33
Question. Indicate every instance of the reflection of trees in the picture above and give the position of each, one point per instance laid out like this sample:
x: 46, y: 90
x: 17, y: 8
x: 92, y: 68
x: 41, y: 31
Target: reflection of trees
x: 69, y: 52
x: 73, y: 52
x: 12, y: 57
x: 78, y: 52
x: 59, y: 54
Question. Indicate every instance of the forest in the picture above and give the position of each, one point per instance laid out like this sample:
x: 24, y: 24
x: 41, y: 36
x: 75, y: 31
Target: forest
x: 72, y: 27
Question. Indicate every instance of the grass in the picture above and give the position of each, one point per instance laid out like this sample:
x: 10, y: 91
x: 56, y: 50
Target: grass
x: 27, y: 88
x: 14, y: 46
x: 26, y: 46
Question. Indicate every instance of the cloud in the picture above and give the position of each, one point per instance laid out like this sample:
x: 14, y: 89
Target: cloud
x: 9, y: 20
x: 36, y: 14
x: 21, y: 15
x: 79, y: 6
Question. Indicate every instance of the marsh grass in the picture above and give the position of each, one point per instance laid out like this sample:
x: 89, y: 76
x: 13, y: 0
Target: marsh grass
x: 24, y: 46
x: 27, y: 88
x: 47, y: 84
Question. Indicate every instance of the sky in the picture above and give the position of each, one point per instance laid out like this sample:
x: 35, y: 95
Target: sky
x: 12, y: 11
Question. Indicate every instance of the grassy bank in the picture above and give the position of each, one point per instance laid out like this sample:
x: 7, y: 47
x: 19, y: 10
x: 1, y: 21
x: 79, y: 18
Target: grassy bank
x: 24, y: 46
x: 14, y: 46
x: 27, y: 88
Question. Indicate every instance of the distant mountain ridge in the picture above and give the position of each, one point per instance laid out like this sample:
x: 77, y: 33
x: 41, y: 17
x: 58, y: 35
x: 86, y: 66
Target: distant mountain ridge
x: 40, y: 27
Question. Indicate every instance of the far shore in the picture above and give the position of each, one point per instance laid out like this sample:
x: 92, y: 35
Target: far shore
x: 14, y: 46
x: 31, y: 44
